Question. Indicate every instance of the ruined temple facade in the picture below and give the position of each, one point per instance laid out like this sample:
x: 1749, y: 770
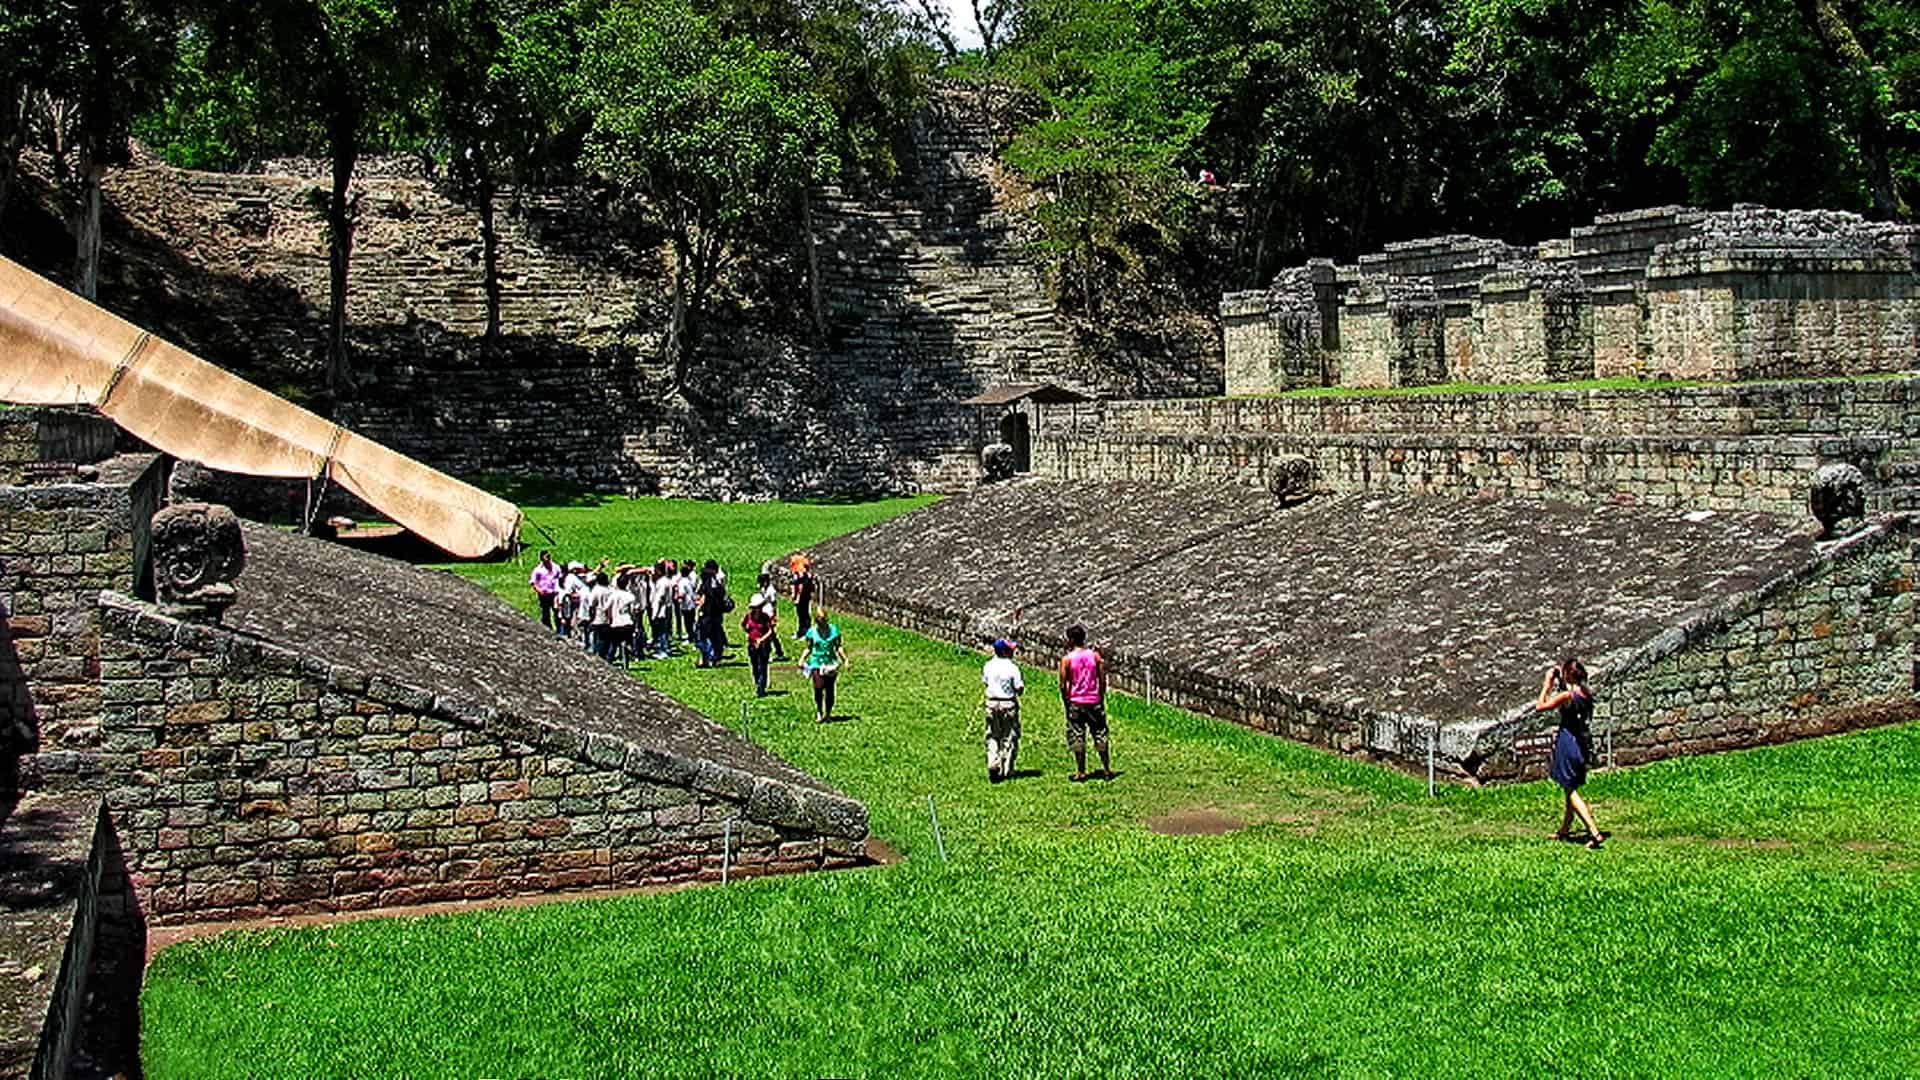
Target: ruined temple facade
x: 1665, y: 293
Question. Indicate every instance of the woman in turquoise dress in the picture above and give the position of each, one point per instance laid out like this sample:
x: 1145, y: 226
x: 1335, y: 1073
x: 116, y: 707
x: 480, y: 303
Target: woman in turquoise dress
x: 825, y: 657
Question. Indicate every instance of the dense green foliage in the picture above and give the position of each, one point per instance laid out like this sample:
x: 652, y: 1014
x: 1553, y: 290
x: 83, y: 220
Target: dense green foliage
x: 1347, y: 123
x: 1333, y: 125
x: 1755, y: 912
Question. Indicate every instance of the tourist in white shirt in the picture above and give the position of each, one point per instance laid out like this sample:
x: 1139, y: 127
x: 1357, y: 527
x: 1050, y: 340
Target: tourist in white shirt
x: 594, y: 614
x: 573, y: 598
x: 660, y: 606
x: 1004, y: 686
x: 619, y: 601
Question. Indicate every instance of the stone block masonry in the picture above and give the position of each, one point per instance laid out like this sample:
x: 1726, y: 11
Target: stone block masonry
x: 1669, y: 292
x: 317, y: 757
x: 40, y: 441
x: 1768, y: 666
x: 61, y: 543
x: 1369, y: 625
x: 72, y: 943
x: 1743, y: 447
x: 250, y: 779
x: 1392, y: 333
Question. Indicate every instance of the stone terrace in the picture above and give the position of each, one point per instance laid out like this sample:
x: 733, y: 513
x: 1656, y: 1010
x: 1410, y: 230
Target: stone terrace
x: 1439, y: 607
x: 1347, y: 621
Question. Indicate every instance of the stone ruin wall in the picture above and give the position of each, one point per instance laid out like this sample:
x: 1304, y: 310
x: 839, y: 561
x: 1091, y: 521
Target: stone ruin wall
x: 61, y: 543
x: 1751, y: 447
x: 1664, y: 293
x: 251, y: 779
x: 929, y: 297
x: 245, y: 777
x: 1830, y: 649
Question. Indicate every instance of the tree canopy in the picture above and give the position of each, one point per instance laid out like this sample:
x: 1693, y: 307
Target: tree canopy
x: 1332, y: 126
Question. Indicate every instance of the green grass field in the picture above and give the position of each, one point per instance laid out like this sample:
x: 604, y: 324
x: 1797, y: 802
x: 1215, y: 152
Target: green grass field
x: 1756, y: 913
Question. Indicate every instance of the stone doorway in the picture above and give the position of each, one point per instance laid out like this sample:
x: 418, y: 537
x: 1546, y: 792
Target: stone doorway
x: 1015, y: 432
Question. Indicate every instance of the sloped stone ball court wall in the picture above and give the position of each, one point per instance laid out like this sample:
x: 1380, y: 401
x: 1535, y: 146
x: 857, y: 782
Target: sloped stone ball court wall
x: 1369, y: 623
x: 362, y: 734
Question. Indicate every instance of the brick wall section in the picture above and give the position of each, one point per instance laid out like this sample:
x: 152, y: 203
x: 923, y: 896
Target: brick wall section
x: 1730, y: 312
x: 61, y: 543
x: 30, y: 437
x: 1827, y: 648
x: 68, y: 912
x: 1668, y: 292
x: 1392, y: 333
x: 1750, y: 447
x: 249, y: 779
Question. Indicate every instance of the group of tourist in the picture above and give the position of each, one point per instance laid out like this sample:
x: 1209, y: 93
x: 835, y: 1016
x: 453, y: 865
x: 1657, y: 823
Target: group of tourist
x: 628, y: 612
x: 622, y: 613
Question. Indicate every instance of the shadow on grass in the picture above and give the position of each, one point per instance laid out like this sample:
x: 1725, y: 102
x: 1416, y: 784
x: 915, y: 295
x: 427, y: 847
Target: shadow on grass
x: 540, y: 491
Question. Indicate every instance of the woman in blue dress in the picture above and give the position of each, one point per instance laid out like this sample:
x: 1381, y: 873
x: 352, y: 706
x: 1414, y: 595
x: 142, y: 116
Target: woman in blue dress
x: 1565, y: 688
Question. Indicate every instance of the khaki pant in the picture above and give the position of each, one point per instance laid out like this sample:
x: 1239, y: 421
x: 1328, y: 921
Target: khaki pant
x: 1003, y: 736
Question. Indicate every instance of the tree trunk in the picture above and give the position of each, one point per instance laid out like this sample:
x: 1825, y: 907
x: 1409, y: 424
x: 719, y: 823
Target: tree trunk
x: 343, y: 128
x: 814, y: 295
x: 490, y: 254
x: 677, y: 325
x: 85, y: 227
x: 13, y: 139
x: 1844, y: 49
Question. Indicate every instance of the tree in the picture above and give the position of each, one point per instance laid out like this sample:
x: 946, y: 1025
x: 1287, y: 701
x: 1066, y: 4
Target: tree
x: 860, y: 59
x: 28, y: 47
x: 488, y: 108
x: 712, y: 135
x: 1107, y: 146
x: 353, y: 68
x: 84, y: 68
x: 1881, y: 93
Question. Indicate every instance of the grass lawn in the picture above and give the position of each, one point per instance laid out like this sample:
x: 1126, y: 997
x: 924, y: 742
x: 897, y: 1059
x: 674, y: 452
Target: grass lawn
x: 1756, y: 913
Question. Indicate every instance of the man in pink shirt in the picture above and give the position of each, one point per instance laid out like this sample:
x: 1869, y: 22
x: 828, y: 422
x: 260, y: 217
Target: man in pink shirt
x: 546, y: 586
x: 1083, y: 690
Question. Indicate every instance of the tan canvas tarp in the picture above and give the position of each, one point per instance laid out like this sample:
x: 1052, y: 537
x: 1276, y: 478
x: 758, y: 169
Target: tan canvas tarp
x: 57, y: 349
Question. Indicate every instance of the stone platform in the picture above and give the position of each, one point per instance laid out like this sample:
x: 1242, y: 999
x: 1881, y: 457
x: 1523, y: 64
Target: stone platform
x: 1367, y: 623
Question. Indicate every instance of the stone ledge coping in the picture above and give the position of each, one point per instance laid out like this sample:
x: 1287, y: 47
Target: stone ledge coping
x: 1898, y: 387
x: 767, y: 801
x: 45, y: 844
x: 111, y: 477
x: 1227, y: 442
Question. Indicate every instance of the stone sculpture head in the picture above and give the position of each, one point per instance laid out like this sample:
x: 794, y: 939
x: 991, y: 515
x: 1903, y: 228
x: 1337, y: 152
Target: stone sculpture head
x: 197, y: 554
x: 1838, y: 499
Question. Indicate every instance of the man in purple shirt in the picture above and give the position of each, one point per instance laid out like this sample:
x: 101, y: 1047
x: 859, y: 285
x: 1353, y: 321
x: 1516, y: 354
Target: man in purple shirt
x: 546, y: 587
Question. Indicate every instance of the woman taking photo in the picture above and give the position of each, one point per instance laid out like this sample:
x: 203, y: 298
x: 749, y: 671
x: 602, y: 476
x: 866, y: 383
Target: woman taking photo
x: 1564, y: 687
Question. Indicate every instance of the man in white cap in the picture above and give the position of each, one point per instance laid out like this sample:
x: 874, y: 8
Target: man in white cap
x: 1003, y: 689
